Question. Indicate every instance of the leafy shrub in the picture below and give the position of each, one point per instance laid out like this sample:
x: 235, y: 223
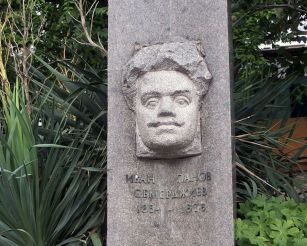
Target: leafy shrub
x: 50, y: 194
x: 272, y: 221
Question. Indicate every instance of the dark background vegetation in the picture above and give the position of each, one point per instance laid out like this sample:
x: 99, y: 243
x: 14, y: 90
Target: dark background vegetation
x: 45, y: 48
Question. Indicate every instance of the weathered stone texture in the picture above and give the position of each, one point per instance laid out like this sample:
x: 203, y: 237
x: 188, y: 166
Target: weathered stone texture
x: 149, y: 22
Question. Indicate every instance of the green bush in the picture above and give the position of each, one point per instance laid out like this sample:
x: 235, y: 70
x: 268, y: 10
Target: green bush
x: 272, y: 221
x: 50, y: 193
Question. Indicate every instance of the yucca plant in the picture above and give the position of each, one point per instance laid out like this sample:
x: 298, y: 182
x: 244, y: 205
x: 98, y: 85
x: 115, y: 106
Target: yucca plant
x: 17, y: 144
x: 75, y: 102
x: 71, y: 107
x: 19, y: 183
x: 262, y: 168
x: 50, y: 194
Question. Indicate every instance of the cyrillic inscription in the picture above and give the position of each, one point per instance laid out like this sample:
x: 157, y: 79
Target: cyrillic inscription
x: 202, y: 176
x: 183, y: 191
x: 170, y: 194
x: 147, y: 179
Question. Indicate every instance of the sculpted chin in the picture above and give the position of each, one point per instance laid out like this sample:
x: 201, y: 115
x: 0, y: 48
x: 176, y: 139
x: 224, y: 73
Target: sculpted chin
x: 164, y: 85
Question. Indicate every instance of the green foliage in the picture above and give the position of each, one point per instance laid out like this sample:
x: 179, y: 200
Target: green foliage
x: 268, y: 22
x: 53, y: 28
x: 19, y: 18
x: 19, y: 170
x: 16, y: 145
x: 96, y: 239
x: 61, y: 199
x: 262, y: 95
x: 300, y: 93
x: 66, y: 199
x: 272, y: 221
x: 265, y: 22
x: 72, y: 108
x: 75, y: 104
x: 68, y: 102
x: 61, y: 37
x: 261, y: 167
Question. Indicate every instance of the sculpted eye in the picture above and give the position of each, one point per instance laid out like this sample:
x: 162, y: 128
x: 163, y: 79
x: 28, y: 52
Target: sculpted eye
x: 151, y: 103
x: 182, y: 101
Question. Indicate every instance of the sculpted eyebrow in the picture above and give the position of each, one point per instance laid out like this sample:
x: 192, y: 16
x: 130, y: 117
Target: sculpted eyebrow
x: 147, y: 95
x: 180, y: 92
x: 151, y: 93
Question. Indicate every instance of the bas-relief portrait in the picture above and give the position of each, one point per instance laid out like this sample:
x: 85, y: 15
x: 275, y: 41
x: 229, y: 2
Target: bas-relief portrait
x: 164, y: 85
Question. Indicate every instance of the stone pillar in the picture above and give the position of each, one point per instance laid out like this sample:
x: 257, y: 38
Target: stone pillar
x: 169, y: 124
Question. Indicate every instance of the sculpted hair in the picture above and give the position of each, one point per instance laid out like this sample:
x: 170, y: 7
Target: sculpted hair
x: 185, y: 57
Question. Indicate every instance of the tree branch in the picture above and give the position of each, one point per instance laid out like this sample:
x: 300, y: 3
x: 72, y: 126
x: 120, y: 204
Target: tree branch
x: 89, y: 39
x: 284, y: 6
x: 3, y: 76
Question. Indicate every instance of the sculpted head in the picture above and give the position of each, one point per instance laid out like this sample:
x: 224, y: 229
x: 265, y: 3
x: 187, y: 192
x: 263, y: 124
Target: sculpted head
x: 164, y: 85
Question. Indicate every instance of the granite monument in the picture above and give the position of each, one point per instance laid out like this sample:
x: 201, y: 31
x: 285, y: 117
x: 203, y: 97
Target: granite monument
x: 170, y: 171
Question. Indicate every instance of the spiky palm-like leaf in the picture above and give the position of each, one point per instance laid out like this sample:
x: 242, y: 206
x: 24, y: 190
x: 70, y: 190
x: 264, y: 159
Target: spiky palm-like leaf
x: 53, y: 199
x: 261, y: 166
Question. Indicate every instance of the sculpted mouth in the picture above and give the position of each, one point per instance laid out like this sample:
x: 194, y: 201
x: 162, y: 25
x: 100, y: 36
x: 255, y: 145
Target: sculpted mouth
x: 167, y: 123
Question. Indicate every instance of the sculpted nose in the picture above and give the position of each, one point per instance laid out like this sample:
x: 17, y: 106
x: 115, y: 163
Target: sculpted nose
x: 166, y: 107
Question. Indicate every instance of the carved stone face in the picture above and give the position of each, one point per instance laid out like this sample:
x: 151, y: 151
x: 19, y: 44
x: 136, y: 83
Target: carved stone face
x: 167, y: 111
